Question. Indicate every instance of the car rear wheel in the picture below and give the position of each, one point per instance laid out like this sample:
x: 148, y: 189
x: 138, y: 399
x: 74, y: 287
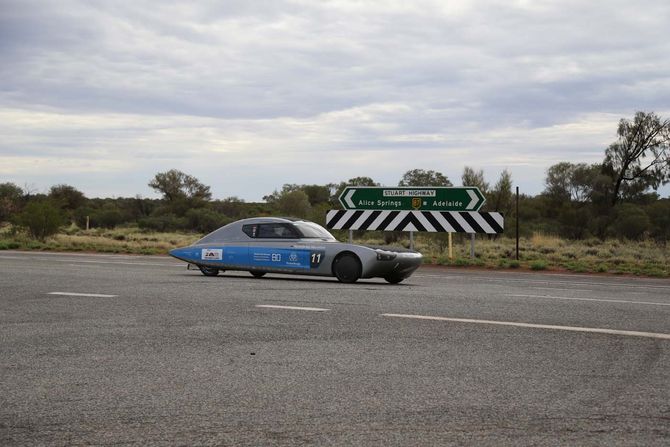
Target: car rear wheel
x: 394, y: 279
x: 258, y: 274
x: 347, y: 268
x: 208, y: 271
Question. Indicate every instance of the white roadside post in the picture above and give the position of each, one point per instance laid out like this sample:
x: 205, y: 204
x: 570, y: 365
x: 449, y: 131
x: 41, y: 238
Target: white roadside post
x: 451, y: 251
x: 472, y: 245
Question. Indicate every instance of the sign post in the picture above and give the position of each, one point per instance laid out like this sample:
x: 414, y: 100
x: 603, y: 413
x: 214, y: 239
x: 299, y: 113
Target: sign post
x: 421, y: 208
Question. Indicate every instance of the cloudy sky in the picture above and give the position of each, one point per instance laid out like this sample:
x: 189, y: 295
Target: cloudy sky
x: 248, y: 95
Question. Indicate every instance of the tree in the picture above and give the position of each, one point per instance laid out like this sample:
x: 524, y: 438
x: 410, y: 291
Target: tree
x: 421, y: 177
x: 584, y: 181
x: 204, y: 220
x: 41, y: 218
x: 640, y: 158
x: 274, y: 197
x: 471, y: 177
x: 294, y: 203
x: 336, y: 189
x: 567, y: 181
x: 181, y: 191
x: 317, y: 193
x: 557, y: 182
x: 175, y: 185
x: 69, y: 197
x: 659, y: 217
x: 10, y: 200
x: 631, y: 222
x: 230, y: 206
x: 502, y: 194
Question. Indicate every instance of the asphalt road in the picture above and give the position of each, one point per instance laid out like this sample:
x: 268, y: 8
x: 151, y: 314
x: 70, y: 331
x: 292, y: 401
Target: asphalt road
x: 149, y: 353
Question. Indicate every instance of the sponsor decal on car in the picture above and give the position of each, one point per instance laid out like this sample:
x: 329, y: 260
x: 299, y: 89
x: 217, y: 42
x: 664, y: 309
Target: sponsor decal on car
x: 279, y: 257
x: 212, y: 254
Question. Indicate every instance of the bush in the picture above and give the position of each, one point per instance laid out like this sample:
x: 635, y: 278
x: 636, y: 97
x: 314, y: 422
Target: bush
x: 165, y: 222
x: 106, y: 218
x: 41, y: 218
x: 204, y: 220
x: 659, y: 214
x: 631, y: 222
x: 10, y: 200
x: 538, y: 265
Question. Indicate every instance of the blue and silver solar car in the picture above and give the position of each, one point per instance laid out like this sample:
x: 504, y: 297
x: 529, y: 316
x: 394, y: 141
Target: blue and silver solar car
x: 280, y: 245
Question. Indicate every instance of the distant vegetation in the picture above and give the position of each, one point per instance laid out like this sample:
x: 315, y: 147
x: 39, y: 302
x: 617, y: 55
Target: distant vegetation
x: 615, y: 199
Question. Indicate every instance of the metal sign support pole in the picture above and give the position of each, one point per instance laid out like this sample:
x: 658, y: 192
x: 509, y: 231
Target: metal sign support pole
x: 517, y: 223
x: 411, y: 240
x: 351, y: 236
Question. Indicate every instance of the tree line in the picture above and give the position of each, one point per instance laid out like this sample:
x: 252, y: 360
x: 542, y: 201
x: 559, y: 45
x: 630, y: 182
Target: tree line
x: 615, y: 198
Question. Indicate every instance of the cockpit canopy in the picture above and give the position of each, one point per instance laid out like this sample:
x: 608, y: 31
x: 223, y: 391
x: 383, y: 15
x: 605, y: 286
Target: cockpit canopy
x: 267, y: 228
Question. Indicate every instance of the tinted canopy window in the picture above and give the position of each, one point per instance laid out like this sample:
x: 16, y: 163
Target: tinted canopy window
x: 312, y: 230
x: 277, y: 231
x: 250, y: 230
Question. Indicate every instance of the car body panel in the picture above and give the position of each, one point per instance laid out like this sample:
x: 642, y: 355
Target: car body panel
x: 239, y: 246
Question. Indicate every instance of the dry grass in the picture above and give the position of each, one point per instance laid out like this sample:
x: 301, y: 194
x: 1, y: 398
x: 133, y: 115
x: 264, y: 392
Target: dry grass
x: 120, y: 240
x: 543, y: 252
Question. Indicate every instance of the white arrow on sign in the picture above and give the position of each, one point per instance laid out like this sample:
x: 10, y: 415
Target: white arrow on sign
x: 347, y: 198
x: 474, y: 200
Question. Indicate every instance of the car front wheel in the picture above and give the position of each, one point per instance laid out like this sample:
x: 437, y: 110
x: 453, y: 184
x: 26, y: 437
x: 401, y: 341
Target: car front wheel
x: 258, y: 274
x: 394, y: 279
x: 209, y: 271
x: 347, y: 268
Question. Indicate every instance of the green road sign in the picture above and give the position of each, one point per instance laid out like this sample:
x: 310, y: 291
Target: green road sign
x: 425, y: 198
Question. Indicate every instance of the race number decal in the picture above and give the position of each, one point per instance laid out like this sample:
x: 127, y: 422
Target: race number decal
x: 315, y: 258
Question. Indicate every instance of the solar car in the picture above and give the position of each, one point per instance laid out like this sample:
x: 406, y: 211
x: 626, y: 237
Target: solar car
x: 284, y: 245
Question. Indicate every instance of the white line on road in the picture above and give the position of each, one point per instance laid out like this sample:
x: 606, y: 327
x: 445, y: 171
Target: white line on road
x: 527, y: 279
x: 126, y: 263
x: 603, y: 300
x: 536, y: 326
x: 94, y: 295
x: 271, y: 306
x: 561, y: 288
x: 67, y: 257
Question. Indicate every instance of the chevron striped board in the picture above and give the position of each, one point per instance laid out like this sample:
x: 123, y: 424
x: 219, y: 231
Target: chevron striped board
x: 430, y: 221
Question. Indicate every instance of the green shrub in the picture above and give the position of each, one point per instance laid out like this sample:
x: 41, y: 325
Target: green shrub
x: 538, y: 265
x: 631, y: 222
x: 106, y: 218
x: 204, y: 220
x: 41, y: 218
x: 163, y: 223
x: 576, y: 267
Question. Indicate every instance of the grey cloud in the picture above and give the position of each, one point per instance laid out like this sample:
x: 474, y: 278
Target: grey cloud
x: 457, y: 75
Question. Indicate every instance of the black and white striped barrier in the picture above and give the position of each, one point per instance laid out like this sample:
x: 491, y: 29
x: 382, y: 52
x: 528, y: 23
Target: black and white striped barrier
x: 430, y: 221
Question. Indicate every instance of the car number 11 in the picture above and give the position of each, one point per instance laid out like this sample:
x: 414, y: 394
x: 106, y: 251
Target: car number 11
x: 315, y: 258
